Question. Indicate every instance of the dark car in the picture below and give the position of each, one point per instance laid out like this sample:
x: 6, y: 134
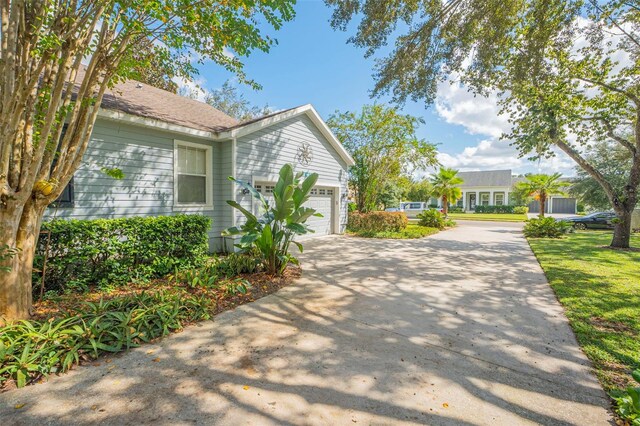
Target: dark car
x: 599, y: 220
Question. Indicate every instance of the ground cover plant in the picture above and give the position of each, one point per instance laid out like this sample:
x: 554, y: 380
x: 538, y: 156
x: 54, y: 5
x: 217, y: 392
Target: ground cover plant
x: 410, y: 232
x: 598, y: 288
x: 72, y: 328
x: 432, y: 219
x: 490, y: 217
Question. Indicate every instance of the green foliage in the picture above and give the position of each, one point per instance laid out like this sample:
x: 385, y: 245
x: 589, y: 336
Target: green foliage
x: 628, y: 402
x: 274, y: 231
x: 412, y: 231
x: 520, y: 209
x: 421, y: 191
x: 546, y: 227
x: 446, y: 186
x: 107, y: 252
x: 230, y: 101
x: 352, y: 207
x: 384, y: 145
x: 566, y: 72
x: 614, y: 162
x: 540, y: 187
x: 236, y: 286
x: 31, y: 349
x: 432, y: 219
x: 501, y: 209
x: 377, y: 221
x: 455, y: 209
x: 114, y: 172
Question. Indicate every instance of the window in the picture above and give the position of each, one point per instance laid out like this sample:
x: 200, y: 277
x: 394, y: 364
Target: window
x: 322, y: 192
x: 499, y: 199
x: 329, y: 191
x: 314, y: 191
x: 484, y: 199
x: 193, y: 177
x: 415, y: 206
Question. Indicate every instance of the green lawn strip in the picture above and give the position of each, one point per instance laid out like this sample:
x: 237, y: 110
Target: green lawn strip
x: 600, y: 291
x: 492, y: 217
x: 410, y: 232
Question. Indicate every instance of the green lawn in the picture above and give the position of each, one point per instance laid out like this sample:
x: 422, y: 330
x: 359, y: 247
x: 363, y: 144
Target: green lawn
x: 600, y: 291
x: 411, y: 231
x: 492, y: 217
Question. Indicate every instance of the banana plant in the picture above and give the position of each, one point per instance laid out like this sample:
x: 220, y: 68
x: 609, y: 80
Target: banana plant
x: 628, y: 402
x: 274, y: 229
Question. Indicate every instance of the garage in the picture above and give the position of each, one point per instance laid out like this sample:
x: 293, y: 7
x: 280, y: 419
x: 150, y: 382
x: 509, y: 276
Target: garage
x: 321, y: 199
x: 559, y: 205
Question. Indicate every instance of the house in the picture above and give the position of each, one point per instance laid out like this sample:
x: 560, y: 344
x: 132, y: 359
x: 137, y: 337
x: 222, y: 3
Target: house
x: 177, y: 154
x: 495, y: 188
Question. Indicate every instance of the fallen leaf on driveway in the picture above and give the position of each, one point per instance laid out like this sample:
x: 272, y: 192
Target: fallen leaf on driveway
x: 245, y: 387
x: 156, y: 360
x: 18, y: 406
x: 445, y: 405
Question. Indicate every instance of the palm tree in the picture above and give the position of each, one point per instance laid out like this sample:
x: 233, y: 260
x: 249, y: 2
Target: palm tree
x: 540, y: 187
x: 445, y: 185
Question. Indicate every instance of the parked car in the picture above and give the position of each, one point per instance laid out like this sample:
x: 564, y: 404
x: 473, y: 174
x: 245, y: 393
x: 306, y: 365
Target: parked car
x: 411, y: 208
x: 598, y: 220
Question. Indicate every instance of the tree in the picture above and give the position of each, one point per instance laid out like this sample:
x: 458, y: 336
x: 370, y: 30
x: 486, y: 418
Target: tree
x: 446, y: 186
x: 420, y: 191
x: 541, y: 187
x: 57, y: 58
x: 384, y: 145
x: 150, y: 67
x: 614, y: 162
x: 566, y: 70
x: 230, y: 101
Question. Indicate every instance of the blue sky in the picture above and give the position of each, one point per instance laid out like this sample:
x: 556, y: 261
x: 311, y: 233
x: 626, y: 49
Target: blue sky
x: 312, y: 63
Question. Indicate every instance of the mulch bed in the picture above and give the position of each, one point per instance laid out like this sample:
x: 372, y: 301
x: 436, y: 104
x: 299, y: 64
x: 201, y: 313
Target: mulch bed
x: 262, y: 284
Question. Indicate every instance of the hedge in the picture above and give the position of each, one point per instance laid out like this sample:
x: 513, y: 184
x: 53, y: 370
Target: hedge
x: 377, y: 221
x: 107, y: 252
x: 495, y: 209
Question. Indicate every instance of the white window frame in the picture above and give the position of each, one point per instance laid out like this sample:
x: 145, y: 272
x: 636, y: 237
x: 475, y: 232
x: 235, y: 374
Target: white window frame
x: 485, y: 200
x: 208, y: 205
x: 495, y: 198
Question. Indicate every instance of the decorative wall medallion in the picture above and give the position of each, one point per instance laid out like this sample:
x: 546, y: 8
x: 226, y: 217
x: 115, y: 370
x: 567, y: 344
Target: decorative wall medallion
x: 304, y: 155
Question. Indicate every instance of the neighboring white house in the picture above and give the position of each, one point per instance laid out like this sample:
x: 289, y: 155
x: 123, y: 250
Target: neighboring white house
x: 177, y: 154
x: 494, y: 188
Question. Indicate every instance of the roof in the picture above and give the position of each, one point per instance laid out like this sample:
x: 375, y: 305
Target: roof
x: 160, y: 106
x: 144, y: 100
x: 486, y: 178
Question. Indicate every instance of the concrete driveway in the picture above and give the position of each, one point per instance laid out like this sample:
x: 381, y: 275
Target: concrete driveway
x: 459, y: 328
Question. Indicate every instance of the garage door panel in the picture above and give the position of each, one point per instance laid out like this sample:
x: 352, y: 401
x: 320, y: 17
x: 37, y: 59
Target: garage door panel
x: 320, y: 199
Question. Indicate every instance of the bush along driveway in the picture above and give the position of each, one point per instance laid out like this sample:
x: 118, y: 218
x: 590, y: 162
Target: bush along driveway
x: 458, y: 328
x: 599, y: 289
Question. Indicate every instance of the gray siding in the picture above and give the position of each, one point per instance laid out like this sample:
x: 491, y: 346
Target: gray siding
x: 146, y: 158
x: 262, y: 154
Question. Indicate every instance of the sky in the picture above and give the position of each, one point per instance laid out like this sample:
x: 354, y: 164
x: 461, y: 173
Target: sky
x: 312, y: 63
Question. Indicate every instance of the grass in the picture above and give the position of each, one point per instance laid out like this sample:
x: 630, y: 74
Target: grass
x: 410, y: 232
x: 600, y: 291
x: 491, y: 217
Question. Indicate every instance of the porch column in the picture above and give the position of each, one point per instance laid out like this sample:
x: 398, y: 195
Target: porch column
x: 464, y: 201
x: 506, y: 198
x: 477, y: 197
x: 491, y: 199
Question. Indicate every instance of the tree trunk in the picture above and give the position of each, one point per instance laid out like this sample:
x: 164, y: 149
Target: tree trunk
x: 20, y: 230
x: 622, y: 230
x: 445, y: 205
x: 543, y: 205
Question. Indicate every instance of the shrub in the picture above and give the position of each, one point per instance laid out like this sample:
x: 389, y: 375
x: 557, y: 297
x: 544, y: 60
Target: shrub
x: 628, y: 402
x: 495, y: 209
x: 274, y: 231
x: 32, y: 349
x: 236, y: 264
x: 352, y: 207
x: 521, y: 209
x: 432, y: 219
x: 456, y: 209
x: 546, y: 227
x: 580, y: 208
x: 377, y: 221
x: 116, y: 251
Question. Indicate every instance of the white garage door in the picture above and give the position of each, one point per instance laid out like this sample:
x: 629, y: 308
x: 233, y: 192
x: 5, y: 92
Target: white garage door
x: 321, y: 199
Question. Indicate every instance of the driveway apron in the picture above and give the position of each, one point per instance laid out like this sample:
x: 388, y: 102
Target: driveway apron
x: 457, y: 328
